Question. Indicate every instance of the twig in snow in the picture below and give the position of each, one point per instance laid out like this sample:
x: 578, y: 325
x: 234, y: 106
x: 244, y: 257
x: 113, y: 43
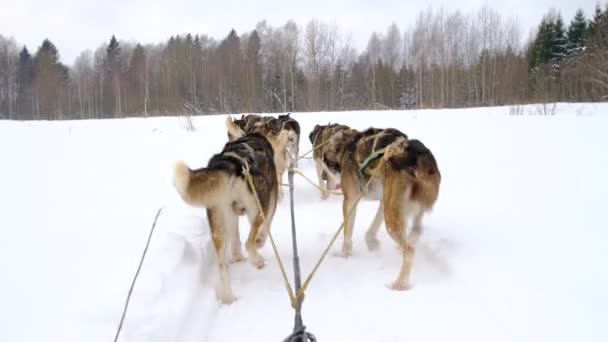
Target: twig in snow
x: 124, y: 311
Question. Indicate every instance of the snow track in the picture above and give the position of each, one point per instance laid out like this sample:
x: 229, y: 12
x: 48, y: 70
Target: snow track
x: 513, y: 251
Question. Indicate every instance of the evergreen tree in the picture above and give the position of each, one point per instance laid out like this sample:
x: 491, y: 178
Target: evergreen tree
x: 252, y: 76
x: 137, y: 78
x: 48, y: 79
x: 113, y: 68
x: 597, y: 19
x: 25, y: 83
x: 577, y: 33
x: 550, y: 43
x: 558, y: 40
x: 537, y: 53
x: 113, y: 50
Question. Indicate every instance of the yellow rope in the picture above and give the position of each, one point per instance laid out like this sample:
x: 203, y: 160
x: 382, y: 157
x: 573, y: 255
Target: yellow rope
x: 292, y: 298
x: 314, y: 148
x: 350, y: 211
x: 314, y: 184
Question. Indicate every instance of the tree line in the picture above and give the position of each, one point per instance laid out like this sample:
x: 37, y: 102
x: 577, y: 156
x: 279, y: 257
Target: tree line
x: 443, y: 60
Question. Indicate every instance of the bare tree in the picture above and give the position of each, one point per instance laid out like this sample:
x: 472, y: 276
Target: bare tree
x: 82, y: 75
x: 9, y: 57
x: 316, y: 46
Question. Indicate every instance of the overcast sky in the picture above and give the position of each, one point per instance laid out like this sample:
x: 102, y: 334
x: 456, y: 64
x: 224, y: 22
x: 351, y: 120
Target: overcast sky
x: 77, y: 25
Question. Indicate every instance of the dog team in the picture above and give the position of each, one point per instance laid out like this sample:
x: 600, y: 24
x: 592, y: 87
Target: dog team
x: 381, y: 164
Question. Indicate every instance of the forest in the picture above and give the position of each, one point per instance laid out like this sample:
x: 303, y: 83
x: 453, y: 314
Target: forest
x: 442, y: 60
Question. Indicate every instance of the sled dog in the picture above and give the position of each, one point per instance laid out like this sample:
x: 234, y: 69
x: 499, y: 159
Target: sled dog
x: 328, y: 173
x: 222, y: 188
x: 406, y: 183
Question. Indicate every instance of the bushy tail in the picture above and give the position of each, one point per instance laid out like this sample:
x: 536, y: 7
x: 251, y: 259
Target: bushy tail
x: 199, y: 188
x: 234, y: 131
x: 181, y: 178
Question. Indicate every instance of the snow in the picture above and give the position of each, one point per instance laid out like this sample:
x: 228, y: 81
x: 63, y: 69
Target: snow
x: 513, y: 251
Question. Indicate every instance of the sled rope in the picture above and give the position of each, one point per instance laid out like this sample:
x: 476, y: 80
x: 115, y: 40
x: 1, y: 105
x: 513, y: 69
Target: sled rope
x: 247, y: 174
x: 314, y: 184
x: 312, y: 150
x: 124, y: 311
x: 348, y: 215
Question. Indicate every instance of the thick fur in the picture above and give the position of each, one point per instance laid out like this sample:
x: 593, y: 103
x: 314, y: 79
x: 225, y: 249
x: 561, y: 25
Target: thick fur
x: 285, y: 153
x: 222, y: 189
x: 321, y: 139
x: 407, y: 186
x: 289, y: 124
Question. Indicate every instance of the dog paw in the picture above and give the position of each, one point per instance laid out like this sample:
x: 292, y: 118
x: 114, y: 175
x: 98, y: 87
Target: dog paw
x: 236, y: 258
x: 227, y: 299
x: 372, y: 243
x: 399, y: 286
x: 347, y: 249
x: 225, y: 295
x: 258, y: 261
x: 341, y: 254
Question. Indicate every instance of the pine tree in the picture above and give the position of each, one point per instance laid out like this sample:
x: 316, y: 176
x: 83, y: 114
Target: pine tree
x: 558, y: 40
x: 25, y: 84
x: 550, y: 43
x: 577, y: 33
x: 251, y: 83
x: 537, y: 53
x: 598, y: 16
x: 48, y: 79
x: 230, y: 56
x: 138, y: 79
x: 113, y: 68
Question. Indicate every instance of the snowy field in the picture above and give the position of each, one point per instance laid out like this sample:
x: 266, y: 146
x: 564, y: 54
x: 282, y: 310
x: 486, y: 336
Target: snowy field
x: 515, y: 249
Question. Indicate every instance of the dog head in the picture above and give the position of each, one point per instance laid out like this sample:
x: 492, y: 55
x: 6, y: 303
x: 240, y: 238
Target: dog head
x: 315, y: 132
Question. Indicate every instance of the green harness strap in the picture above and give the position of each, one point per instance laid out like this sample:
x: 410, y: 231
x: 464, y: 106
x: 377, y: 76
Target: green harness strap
x: 370, y: 159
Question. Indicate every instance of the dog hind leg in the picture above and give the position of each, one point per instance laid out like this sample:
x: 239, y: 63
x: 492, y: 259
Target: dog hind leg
x: 395, y: 217
x: 349, y: 222
x: 417, y: 227
x: 217, y: 220
x: 232, y: 223
x: 319, y: 168
x: 257, y: 220
x: 371, y: 236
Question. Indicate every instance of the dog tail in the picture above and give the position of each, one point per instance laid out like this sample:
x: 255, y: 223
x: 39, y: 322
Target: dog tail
x: 234, y: 131
x: 199, y: 188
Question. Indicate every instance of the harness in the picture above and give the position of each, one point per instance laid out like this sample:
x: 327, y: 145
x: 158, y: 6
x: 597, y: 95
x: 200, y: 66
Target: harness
x: 240, y: 159
x: 373, y: 156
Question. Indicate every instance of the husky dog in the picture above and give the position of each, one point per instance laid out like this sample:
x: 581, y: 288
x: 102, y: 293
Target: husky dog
x: 270, y: 127
x: 407, y: 186
x: 222, y: 188
x: 289, y: 124
x: 328, y: 173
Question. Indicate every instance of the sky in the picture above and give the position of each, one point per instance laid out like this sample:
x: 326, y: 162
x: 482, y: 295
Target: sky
x: 74, y: 26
